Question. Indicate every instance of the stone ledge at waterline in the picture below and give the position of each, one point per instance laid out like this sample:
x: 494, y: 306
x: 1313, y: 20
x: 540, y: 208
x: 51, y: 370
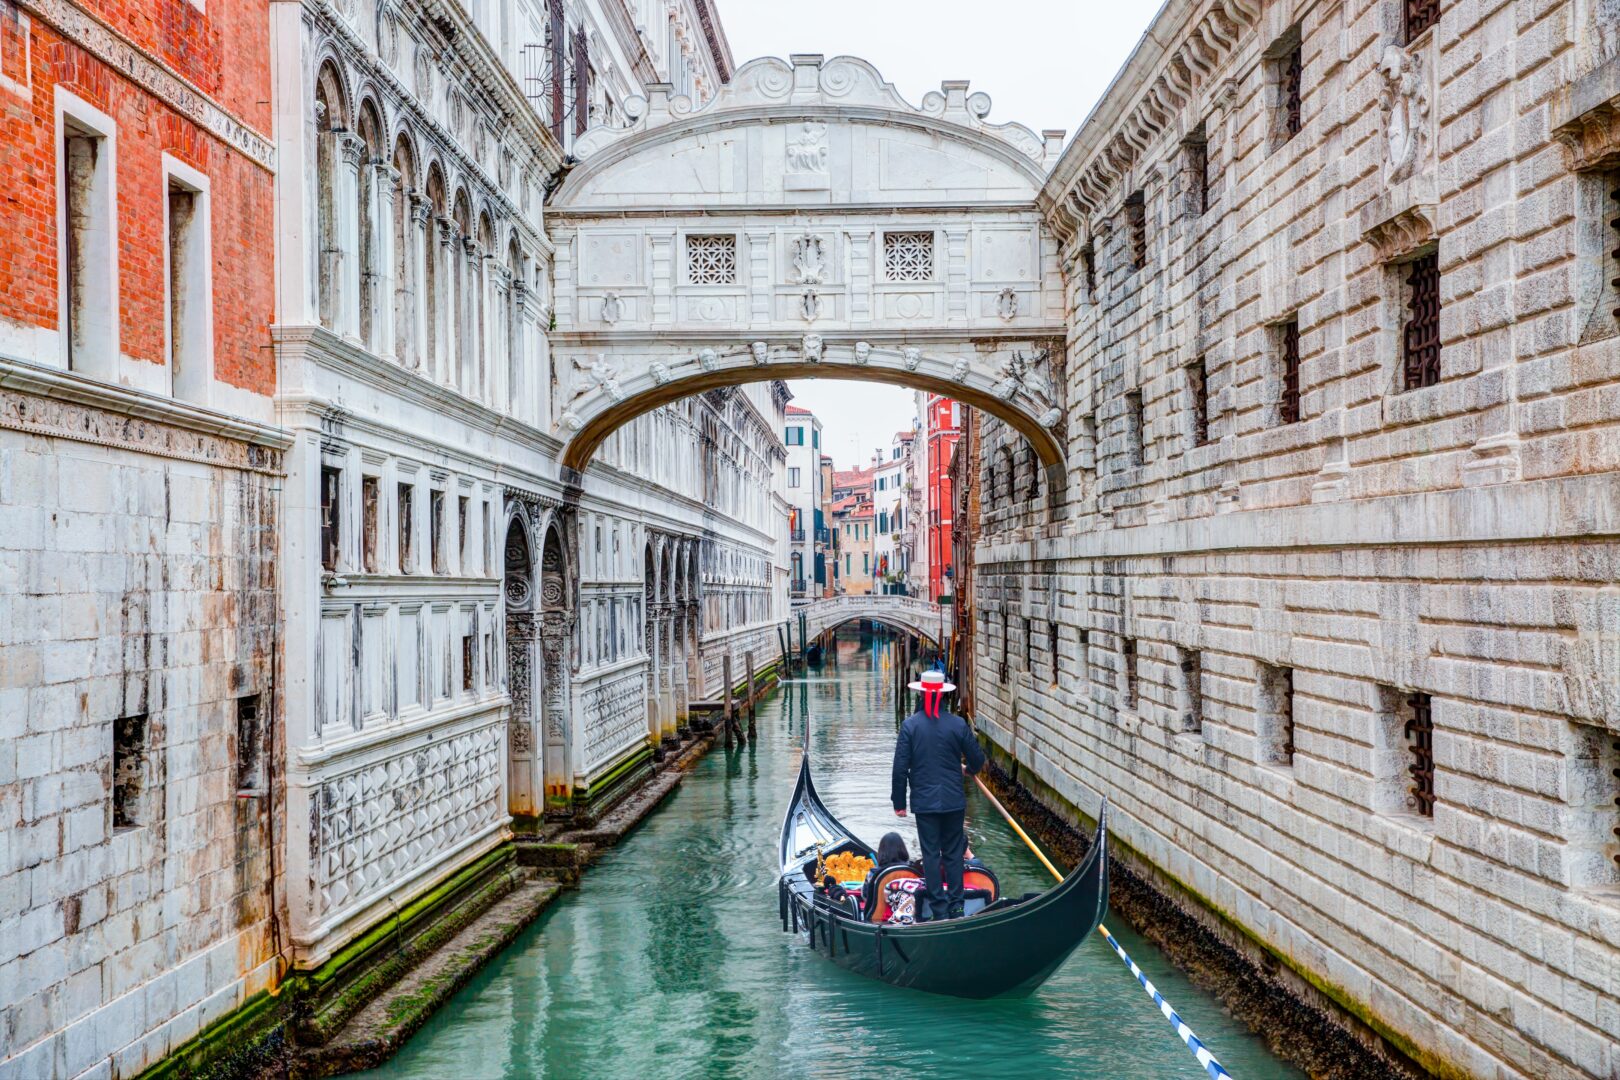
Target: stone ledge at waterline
x: 357, y: 1010
x: 1301, y: 1021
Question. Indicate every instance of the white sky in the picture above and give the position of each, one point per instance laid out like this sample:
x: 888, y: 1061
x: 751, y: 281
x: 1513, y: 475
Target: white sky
x: 1044, y: 63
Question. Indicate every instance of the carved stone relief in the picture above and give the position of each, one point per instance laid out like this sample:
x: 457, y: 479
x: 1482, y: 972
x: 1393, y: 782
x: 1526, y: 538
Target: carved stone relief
x: 1404, y: 100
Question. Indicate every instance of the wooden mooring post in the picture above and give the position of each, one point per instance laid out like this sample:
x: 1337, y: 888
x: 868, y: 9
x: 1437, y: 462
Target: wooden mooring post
x: 753, y: 732
x: 729, y: 720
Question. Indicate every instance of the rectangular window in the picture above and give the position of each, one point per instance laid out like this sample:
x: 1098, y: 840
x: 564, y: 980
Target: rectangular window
x: 1420, y: 336
x: 88, y: 230
x: 1127, y: 652
x: 1420, y: 15
x: 793, y: 478
x: 405, y: 524
x: 1274, y: 714
x: 1006, y: 634
x: 711, y: 260
x: 1285, y: 74
x: 1195, y: 170
x: 370, y: 494
x: 1052, y: 648
x: 488, y: 534
x: 1593, y: 763
x: 795, y: 436
x: 1136, y: 228
x: 250, y: 771
x: 331, y: 515
x: 1419, y: 731
x: 1198, y: 400
x: 1029, y: 646
x: 815, y: 438
x: 1088, y: 271
x: 908, y: 256
x: 1133, y: 428
x: 1288, y: 372
x: 188, y: 321
x: 436, y: 530
x: 129, y: 773
x: 468, y: 668
x: 1191, y: 664
x: 463, y: 534
x: 1293, y: 78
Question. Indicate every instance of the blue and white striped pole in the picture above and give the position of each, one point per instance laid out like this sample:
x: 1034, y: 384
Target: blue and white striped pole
x: 1194, y: 1043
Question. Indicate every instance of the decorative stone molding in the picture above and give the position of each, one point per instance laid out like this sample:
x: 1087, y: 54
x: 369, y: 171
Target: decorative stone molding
x: 1404, y: 100
x: 1398, y: 234
x: 1586, y: 118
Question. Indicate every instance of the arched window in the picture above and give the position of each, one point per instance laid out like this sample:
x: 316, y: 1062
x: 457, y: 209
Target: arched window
x: 433, y: 278
x: 484, y: 310
x: 331, y: 120
x: 407, y: 334
x: 464, y: 338
x: 518, y: 394
x: 369, y: 201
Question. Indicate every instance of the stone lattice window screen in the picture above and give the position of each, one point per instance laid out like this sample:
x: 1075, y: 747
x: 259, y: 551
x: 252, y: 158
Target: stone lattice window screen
x: 908, y: 256
x: 711, y: 260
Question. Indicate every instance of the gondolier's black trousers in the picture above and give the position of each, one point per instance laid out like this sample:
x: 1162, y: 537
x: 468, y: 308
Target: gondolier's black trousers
x: 943, y: 845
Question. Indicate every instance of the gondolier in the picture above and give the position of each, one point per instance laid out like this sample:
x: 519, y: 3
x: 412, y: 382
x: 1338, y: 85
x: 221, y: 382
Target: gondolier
x: 934, y: 750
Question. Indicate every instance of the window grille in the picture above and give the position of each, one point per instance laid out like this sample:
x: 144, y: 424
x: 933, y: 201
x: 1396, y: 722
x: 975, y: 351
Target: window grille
x: 1198, y: 388
x: 1136, y: 225
x: 1034, y: 473
x: 1285, y: 709
x: 1197, y: 150
x: 1293, y: 73
x: 1052, y: 647
x: 129, y: 773
x: 331, y: 504
x: 908, y: 256
x: 1421, y: 347
x: 1133, y: 415
x: 1614, y: 228
x: 1420, y: 15
x: 582, y: 82
x: 1192, y: 680
x: 407, y: 500
x: 1615, y: 772
x: 1288, y: 403
x: 1128, y: 653
x: 711, y: 260
x: 1420, y: 744
x: 1004, y: 635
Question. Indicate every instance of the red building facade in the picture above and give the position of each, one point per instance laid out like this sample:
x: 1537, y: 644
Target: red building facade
x: 942, y: 427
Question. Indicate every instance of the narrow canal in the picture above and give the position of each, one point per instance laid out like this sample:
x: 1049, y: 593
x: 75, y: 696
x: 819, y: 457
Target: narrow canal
x: 668, y: 961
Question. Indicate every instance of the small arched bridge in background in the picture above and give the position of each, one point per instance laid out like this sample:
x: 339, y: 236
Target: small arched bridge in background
x: 928, y: 621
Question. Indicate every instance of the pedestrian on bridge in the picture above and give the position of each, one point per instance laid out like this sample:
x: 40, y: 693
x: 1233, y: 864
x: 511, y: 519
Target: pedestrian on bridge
x: 935, y: 749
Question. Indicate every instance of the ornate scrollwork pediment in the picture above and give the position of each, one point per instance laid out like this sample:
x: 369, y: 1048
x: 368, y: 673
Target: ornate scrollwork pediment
x: 1402, y: 233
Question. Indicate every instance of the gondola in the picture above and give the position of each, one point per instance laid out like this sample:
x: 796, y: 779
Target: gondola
x: 1002, y: 947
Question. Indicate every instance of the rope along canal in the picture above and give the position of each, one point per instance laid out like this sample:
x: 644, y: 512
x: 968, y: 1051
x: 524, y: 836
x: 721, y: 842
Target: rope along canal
x: 1194, y: 1043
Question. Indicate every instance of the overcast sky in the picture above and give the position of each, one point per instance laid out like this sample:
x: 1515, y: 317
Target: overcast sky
x: 1044, y: 63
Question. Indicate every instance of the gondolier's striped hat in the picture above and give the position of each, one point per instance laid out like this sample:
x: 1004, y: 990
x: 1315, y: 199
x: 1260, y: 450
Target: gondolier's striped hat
x: 932, y: 682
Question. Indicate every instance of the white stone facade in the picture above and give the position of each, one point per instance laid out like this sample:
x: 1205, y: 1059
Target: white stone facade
x: 1237, y: 622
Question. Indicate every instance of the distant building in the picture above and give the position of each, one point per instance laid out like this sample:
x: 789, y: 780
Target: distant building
x: 941, y: 430
x: 807, y: 530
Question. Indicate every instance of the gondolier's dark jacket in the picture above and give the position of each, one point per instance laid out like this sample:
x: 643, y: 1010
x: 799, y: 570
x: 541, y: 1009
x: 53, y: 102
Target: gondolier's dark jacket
x: 930, y: 753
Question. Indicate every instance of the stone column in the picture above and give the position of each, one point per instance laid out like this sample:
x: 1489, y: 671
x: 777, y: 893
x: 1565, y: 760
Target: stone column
x: 527, y: 796
x: 521, y: 366
x: 669, y: 709
x: 500, y: 338
x: 384, y: 181
x: 654, y: 669
x: 346, y: 203
x: 414, y: 312
x: 448, y: 331
x: 555, y: 630
x: 473, y: 298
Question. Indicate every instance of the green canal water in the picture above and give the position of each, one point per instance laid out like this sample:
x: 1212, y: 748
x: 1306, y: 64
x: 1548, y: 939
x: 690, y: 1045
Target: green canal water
x: 668, y: 961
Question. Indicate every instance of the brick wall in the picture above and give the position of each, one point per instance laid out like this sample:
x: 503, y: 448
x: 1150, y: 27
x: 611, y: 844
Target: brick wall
x: 36, y: 57
x: 1452, y: 540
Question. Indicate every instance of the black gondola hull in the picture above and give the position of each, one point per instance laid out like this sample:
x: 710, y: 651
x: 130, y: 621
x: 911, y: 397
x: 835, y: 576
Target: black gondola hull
x: 1008, y: 951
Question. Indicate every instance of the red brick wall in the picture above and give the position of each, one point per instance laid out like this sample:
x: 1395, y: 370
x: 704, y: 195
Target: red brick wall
x: 241, y: 208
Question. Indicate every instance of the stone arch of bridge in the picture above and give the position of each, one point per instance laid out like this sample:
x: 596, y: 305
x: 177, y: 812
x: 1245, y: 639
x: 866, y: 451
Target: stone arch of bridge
x: 928, y: 636
x: 620, y: 393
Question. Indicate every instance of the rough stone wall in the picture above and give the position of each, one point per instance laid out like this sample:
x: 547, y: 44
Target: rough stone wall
x: 1453, y: 540
x: 137, y: 589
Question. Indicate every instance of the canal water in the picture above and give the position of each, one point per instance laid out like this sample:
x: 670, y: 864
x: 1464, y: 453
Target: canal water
x: 669, y: 961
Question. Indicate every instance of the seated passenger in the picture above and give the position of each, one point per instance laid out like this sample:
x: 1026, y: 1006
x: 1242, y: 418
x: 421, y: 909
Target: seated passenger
x: 899, y: 904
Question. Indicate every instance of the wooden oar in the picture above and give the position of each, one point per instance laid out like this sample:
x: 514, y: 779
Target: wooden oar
x: 1194, y: 1043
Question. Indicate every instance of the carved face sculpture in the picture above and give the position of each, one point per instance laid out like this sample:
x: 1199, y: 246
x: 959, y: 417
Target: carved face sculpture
x: 911, y: 356
x: 960, y: 369
x: 863, y: 352
x: 812, y: 348
x: 760, y: 351
x: 707, y: 360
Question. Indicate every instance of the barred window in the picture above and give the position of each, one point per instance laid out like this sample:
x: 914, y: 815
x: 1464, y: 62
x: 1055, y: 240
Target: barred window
x: 711, y: 260
x: 908, y: 256
x: 1288, y: 353
x: 1420, y: 15
x: 1293, y: 75
x: 1196, y: 169
x: 1127, y: 650
x: 1420, y: 345
x: 1419, y: 731
x: 1136, y: 222
x: 1198, y: 392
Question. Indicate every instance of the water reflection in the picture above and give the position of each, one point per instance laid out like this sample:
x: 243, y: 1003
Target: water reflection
x: 668, y: 960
